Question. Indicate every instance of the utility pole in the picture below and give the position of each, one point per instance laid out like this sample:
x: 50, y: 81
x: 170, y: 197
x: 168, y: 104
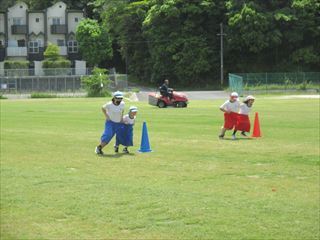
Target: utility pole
x: 221, y: 34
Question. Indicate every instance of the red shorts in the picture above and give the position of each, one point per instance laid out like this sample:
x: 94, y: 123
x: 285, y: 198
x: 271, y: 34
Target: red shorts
x: 230, y: 120
x: 243, y: 123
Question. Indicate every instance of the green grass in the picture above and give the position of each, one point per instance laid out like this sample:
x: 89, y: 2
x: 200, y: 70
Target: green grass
x: 192, y: 186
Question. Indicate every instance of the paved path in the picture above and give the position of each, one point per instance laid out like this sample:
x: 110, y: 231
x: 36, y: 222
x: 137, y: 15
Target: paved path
x: 192, y: 95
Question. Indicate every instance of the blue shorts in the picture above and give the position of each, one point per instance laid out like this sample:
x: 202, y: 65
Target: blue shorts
x: 125, y: 135
x: 110, y: 129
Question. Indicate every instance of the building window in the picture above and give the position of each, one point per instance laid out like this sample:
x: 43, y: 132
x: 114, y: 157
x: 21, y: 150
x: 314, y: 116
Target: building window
x: 60, y: 42
x: 37, y: 19
x: 33, y: 47
x: 76, y: 19
x: 21, y: 43
x: 17, y: 21
x: 56, y: 21
x: 72, y: 46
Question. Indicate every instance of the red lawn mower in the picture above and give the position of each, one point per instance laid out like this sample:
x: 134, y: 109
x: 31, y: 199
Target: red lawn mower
x: 178, y: 99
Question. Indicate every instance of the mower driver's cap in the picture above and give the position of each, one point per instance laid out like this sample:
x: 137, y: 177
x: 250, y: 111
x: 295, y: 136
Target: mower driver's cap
x: 249, y: 98
x: 133, y: 109
x: 234, y: 94
x: 118, y: 94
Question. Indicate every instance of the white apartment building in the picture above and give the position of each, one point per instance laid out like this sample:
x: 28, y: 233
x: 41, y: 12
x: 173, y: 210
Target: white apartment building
x: 24, y: 33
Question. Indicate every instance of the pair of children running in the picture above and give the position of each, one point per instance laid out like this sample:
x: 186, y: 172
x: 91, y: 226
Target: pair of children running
x: 236, y: 115
x: 117, y: 124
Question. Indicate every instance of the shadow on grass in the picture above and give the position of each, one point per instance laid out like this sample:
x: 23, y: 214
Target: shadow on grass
x: 115, y: 155
x: 237, y: 139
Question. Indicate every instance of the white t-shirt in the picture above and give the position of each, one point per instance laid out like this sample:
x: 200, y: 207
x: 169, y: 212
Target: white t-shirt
x: 244, y: 109
x: 231, y: 106
x: 114, y: 112
x: 128, y: 120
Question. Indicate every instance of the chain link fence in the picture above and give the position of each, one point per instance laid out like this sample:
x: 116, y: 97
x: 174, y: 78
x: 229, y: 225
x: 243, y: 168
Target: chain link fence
x: 246, y: 83
x: 62, y: 80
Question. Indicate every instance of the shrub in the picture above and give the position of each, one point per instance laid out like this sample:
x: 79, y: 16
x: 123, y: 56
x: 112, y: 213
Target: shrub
x: 96, y: 83
x: 303, y: 86
x: 43, y: 95
x: 57, y: 67
x: 17, y: 68
x: 16, y: 64
x: 52, y: 52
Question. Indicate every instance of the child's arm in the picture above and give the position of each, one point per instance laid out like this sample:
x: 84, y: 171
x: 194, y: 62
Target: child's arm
x: 122, y: 116
x: 223, y: 109
x: 104, y: 111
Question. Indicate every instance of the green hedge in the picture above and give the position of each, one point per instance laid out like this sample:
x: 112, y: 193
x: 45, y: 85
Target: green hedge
x: 61, y: 63
x: 16, y: 64
x: 57, y: 67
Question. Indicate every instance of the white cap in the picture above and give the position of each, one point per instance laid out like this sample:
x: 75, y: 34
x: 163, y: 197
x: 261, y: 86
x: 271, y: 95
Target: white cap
x: 234, y: 94
x: 249, y: 98
x: 133, y: 109
x: 118, y: 94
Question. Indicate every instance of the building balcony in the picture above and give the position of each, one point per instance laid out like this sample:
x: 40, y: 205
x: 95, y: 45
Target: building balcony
x: 63, y: 51
x: 19, y: 29
x: 59, y: 29
x: 17, y: 51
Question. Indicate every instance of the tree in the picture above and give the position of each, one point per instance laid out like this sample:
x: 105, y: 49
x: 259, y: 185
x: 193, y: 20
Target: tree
x: 182, y: 40
x: 94, y: 42
x: 52, y: 52
x: 123, y: 21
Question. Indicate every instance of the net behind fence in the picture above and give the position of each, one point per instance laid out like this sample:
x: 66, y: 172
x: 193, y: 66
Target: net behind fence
x: 274, y: 82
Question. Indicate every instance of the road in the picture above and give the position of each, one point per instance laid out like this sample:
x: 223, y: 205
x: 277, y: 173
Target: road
x: 192, y: 95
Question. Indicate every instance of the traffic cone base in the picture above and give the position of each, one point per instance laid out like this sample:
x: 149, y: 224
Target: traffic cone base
x: 145, y: 145
x: 256, y: 127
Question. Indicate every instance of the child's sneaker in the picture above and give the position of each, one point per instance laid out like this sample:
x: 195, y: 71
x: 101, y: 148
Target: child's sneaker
x: 244, y: 134
x: 221, y: 136
x: 116, y: 149
x: 233, y: 137
x: 98, y: 150
x: 125, y: 150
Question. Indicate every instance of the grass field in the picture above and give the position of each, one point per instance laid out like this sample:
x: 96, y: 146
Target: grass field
x: 192, y: 186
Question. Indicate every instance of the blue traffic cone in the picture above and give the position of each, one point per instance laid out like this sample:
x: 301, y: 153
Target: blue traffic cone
x: 144, y: 146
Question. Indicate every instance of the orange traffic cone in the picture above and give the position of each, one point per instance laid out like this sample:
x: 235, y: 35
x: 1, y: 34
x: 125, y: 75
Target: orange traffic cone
x: 256, y: 127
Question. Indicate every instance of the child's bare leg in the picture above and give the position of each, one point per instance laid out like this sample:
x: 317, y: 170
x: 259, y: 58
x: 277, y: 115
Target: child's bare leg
x: 125, y: 149
x: 102, y: 144
x: 223, y: 131
x: 98, y: 149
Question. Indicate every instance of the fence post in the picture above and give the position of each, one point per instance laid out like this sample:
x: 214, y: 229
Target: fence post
x: 73, y: 85
x: 65, y: 84
x: 56, y: 84
x: 266, y: 83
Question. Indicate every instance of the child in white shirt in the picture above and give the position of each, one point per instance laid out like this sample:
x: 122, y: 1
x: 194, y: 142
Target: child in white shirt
x: 243, y: 121
x: 230, y: 109
x: 113, y: 112
x: 125, y: 134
